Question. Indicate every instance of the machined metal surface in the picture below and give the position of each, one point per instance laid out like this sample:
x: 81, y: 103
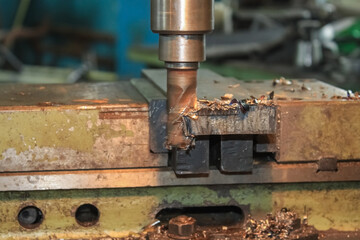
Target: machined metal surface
x: 182, y: 16
x: 181, y: 25
x: 182, y: 48
x: 181, y: 97
x: 212, y: 85
x: 52, y: 128
x: 311, y: 119
x: 258, y: 120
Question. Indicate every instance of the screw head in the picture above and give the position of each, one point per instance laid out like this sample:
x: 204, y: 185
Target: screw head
x: 181, y: 227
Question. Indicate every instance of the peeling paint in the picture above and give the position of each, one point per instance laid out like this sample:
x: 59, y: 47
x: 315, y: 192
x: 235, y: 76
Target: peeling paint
x: 73, y: 139
x: 125, y: 211
x: 24, y: 128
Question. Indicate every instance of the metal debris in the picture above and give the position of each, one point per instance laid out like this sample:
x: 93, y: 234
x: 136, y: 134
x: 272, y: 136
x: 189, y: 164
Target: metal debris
x: 244, y: 107
x: 234, y: 85
x: 229, y: 104
x: 227, y: 96
x: 271, y: 95
x: 349, y: 93
x: 278, y: 226
x: 305, y: 88
x: 283, y: 225
x: 349, y: 96
x: 336, y: 97
x: 282, y: 81
x: 290, y: 90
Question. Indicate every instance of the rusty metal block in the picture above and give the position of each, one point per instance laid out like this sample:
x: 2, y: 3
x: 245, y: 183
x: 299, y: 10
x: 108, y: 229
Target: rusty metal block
x: 311, y: 131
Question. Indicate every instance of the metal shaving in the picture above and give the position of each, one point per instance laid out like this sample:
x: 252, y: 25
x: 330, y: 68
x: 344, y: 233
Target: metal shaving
x: 282, y: 81
x: 283, y: 225
x: 229, y: 104
x: 349, y: 96
x: 305, y: 88
x: 278, y: 226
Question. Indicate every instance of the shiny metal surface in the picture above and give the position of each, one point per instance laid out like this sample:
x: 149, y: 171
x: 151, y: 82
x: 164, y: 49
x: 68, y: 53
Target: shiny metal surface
x: 181, y: 96
x: 181, y: 25
x: 182, y: 16
x: 182, y: 48
x: 182, y: 65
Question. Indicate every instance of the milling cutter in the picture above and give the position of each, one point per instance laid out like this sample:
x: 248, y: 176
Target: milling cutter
x: 182, y: 25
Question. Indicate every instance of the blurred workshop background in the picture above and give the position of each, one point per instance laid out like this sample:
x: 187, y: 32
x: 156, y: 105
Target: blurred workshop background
x: 56, y: 41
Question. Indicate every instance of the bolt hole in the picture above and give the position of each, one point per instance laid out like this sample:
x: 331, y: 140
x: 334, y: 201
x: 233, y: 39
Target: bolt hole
x: 30, y: 217
x: 87, y: 215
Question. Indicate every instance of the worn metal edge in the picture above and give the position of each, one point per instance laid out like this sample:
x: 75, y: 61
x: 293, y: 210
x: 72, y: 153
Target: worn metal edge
x: 269, y: 172
x: 147, y: 73
x: 147, y: 89
x: 107, y: 107
x: 259, y: 120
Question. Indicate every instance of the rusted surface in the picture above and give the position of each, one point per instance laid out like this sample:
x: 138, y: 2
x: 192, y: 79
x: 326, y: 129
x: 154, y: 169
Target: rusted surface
x: 123, y: 115
x: 315, y: 130
x: 69, y: 127
x: 76, y: 96
x: 157, y: 114
x: 181, y: 98
x: 263, y: 172
x: 229, y: 116
x: 75, y: 139
x: 181, y: 227
x: 312, y: 119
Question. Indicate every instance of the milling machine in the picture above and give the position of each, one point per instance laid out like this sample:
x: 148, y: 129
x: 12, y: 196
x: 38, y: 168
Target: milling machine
x: 106, y: 160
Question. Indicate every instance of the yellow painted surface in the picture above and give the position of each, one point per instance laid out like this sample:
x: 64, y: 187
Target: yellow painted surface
x: 126, y: 211
x: 329, y: 206
x: 72, y: 139
x: 59, y: 129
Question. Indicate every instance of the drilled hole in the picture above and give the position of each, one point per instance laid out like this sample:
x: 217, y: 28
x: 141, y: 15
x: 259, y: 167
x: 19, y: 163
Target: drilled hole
x: 30, y: 217
x: 206, y: 216
x: 87, y: 215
